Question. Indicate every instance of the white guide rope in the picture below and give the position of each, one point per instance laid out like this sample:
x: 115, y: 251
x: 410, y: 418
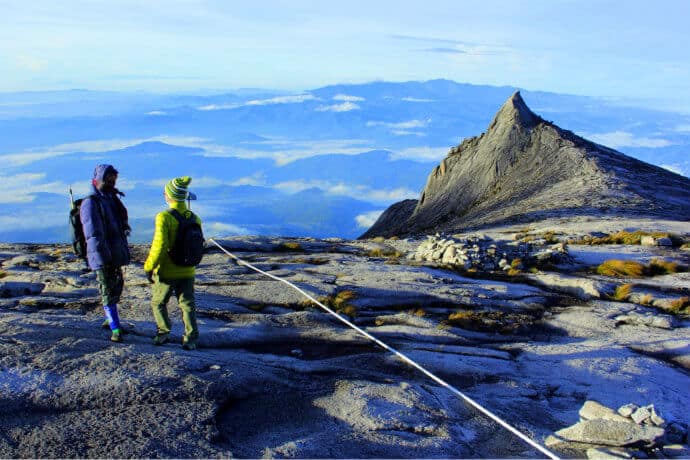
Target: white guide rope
x: 401, y: 356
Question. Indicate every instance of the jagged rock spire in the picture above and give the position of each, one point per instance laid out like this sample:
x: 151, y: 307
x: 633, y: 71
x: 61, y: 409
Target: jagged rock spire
x: 514, y: 112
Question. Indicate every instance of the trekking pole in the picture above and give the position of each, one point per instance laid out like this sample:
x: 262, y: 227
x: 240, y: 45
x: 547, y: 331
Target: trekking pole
x: 414, y: 364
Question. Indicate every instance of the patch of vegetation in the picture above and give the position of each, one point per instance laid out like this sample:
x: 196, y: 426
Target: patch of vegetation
x: 378, y: 239
x: 514, y: 272
x: 685, y: 246
x: 663, y: 267
x: 625, y: 237
x: 338, y: 302
x: 384, y: 252
x: 621, y: 268
x: 489, y: 321
x: 419, y: 312
x: 634, y: 269
x: 550, y: 237
x: 311, y: 261
x: 646, y: 299
x: 622, y: 292
x: 680, y: 305
x: 292, y: 246
x: 3, y: 274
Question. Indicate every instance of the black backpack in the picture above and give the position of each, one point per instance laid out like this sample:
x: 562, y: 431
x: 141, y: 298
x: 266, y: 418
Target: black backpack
x: 188, y: 248
x: 77, y: 229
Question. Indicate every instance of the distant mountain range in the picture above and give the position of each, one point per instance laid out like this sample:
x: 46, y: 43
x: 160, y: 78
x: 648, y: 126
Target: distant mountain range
x: 319, y: 163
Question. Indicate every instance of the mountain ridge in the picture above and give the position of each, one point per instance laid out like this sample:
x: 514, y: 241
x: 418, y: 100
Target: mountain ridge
x: 524, y: 167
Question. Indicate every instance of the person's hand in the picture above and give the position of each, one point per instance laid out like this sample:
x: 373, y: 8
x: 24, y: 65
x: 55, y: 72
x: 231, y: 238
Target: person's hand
x: 149, y: 276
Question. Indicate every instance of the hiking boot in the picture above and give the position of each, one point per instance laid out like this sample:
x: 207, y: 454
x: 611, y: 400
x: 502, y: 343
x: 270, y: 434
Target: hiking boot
x: 161, y: 338
x: 117, y: 336
x: 123, y: 330
x: 189, y: 346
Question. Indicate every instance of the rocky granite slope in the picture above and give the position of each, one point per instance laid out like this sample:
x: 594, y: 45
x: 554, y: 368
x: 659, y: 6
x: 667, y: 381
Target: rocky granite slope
x: 276, y: 377
x: 524, y: 169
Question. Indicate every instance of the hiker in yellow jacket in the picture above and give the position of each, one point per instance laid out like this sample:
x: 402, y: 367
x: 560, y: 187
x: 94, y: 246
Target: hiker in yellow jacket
x: 166, y: 276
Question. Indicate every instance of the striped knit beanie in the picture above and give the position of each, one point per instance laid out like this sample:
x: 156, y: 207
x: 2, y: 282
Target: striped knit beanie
x: 176, y: 189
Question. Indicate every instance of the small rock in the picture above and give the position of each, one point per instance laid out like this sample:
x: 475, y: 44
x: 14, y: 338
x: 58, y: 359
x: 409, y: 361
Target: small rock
x: 641, y: 414
x: 648, y: 241
x: 656, y: 419
x: 627, y: 410
x: 215, y: 367
x: 677, y: 451
x: 609, y: 452
x: 592, y: 410
x: 609, y: 433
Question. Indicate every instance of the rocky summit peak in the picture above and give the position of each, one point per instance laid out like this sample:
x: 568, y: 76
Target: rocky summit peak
x: 524, y: 169
x: 514, y: 112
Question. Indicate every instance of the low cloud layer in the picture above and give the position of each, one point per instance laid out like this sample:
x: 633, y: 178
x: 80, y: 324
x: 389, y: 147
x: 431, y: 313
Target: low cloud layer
x: 618, y: 139
x: 367, y: 219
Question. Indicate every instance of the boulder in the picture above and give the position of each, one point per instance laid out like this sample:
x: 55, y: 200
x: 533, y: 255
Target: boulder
x: 614, y: 453
x: 592, y: 410
x: 608, y: 433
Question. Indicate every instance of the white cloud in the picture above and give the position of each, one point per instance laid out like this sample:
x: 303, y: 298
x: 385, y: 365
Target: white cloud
x: 368, y: 219
x: 682, y: 128
x: 22, y: 187
x: 39, y: 153
x: 415, y: 99
x: 212, y: 229
x: 410, y: 124
x: 359, y: 192
x: 295, y: 99
x: 347, y: 98
x: 284, y: 151
x: 676, y: 168
x: 156, y: 113
x: 421, y: 154
x: 404, y: 132
x: 344, y: 107
x: 617, y: 139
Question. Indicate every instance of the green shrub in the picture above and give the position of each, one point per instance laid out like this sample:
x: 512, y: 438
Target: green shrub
x: 291, y: 246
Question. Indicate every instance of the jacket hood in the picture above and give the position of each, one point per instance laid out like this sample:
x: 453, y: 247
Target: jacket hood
x: 102, y: 170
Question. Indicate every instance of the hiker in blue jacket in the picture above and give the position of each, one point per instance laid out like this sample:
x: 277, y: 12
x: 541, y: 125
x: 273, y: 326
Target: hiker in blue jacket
x: 106, y: 229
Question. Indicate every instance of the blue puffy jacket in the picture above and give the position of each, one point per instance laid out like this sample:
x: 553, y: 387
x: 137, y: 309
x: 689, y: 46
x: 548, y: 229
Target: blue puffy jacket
x: 104, y: 219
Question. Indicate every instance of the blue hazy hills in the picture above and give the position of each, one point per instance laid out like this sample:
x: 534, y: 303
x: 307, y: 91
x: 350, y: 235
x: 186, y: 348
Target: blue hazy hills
x: 318, y: 163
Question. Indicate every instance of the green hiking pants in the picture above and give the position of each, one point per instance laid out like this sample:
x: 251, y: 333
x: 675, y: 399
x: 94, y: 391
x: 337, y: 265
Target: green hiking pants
x: 111, y: 282
x: 184, y: 292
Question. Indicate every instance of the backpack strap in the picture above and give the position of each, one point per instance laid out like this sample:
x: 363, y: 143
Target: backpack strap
x: 176, y: 214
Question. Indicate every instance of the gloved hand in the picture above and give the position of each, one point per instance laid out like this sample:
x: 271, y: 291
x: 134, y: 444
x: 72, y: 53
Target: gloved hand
x: 149, y: 276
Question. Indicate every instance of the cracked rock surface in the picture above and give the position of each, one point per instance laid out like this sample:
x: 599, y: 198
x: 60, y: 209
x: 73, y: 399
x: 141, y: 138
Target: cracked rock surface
x: 275, y: 376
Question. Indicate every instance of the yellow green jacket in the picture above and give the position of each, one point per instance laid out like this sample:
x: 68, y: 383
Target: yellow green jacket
x: 163, y: 239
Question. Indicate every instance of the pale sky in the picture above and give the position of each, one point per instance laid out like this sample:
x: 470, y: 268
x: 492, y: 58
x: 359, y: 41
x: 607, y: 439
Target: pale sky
x: 622, y: 49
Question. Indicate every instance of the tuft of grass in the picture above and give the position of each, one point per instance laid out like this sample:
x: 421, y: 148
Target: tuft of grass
x: 685, y: 246
x: 514, y: 272
x: 622, y: 292
x: 464, y: 318
x: 625, y: 237
x: 550, y: 237
x: 621, y: 268
x: 290, y: 246
x: 663, y: 267
x: 340, y: 302
x: 680, y: 304
x: 3, y: 274
x: 378, y: 239
x: 379, y: 252
x: 419, y: 312
x: 311, y: 261
x: 516, y: 263
x: 646, y: 299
